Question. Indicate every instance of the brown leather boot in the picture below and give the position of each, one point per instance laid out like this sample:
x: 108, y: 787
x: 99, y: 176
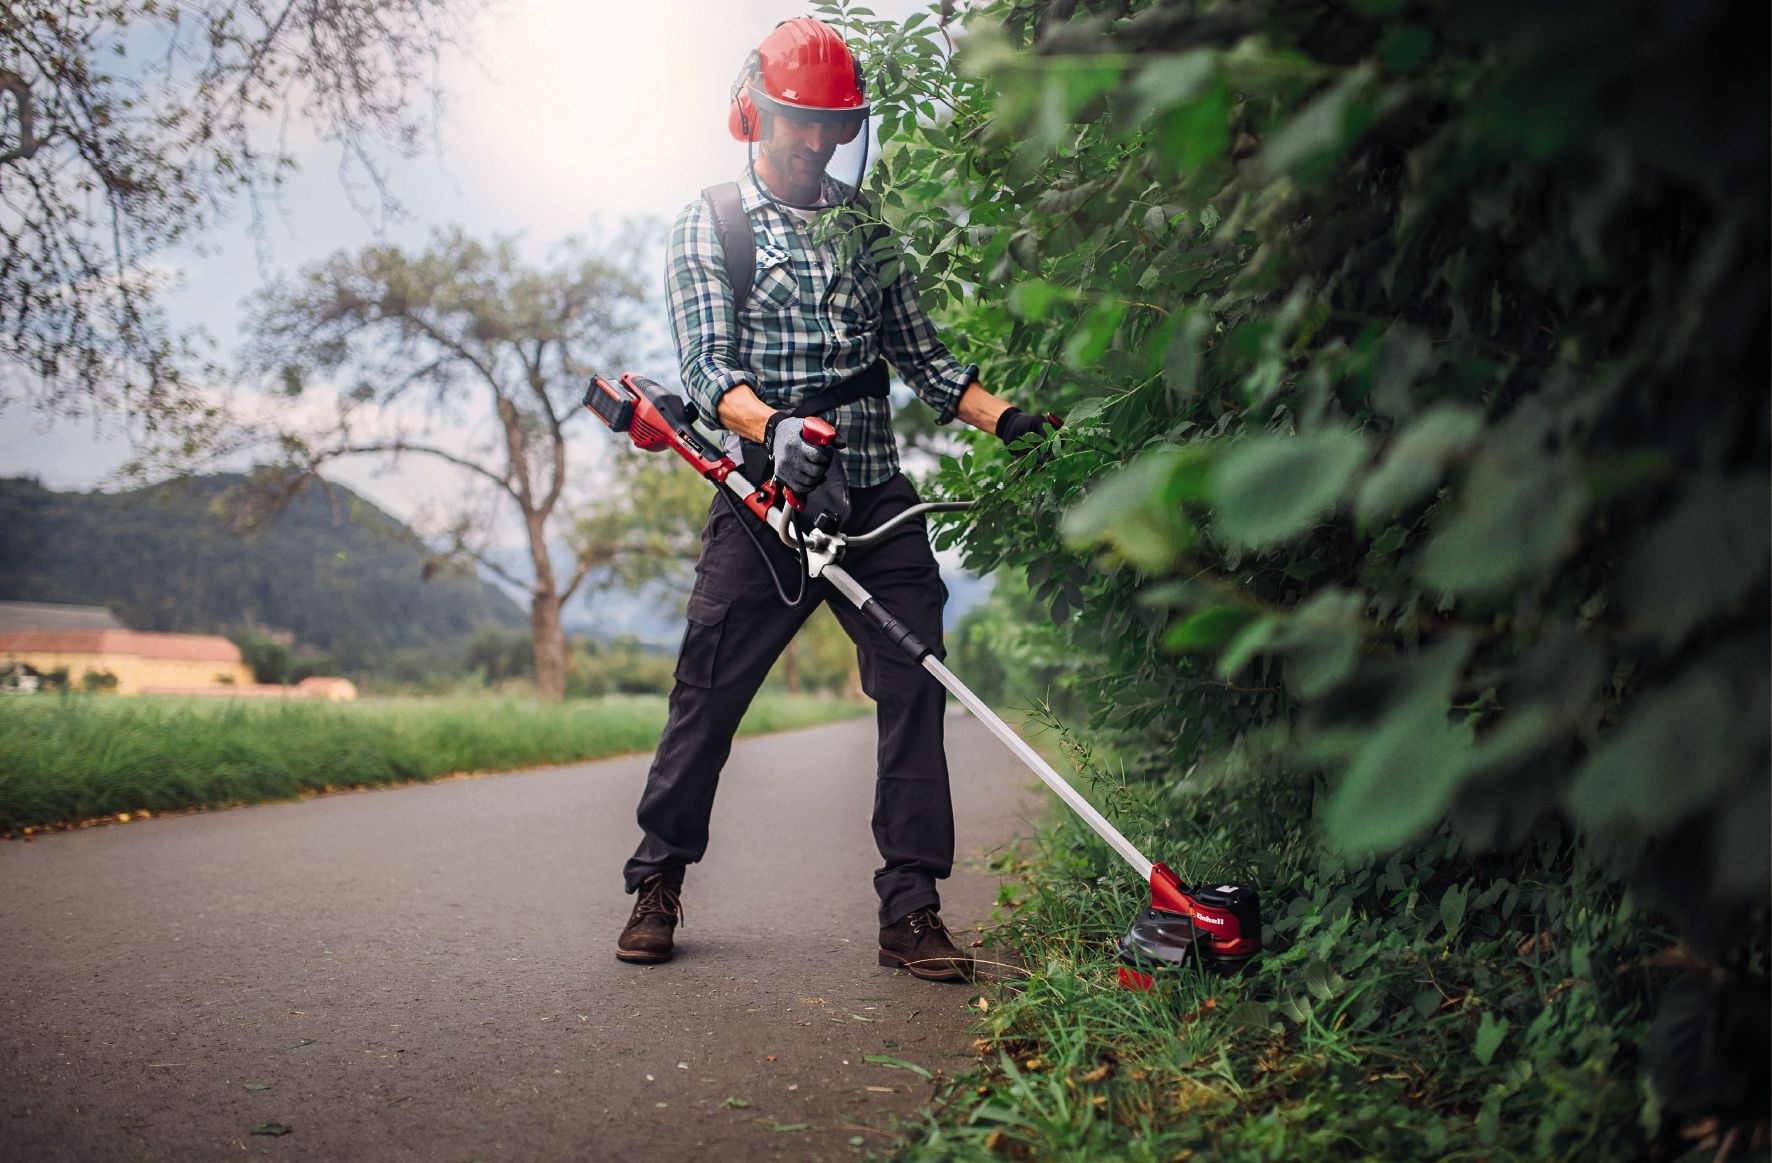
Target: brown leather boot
x: 647, y: 938
x: 920, y: 943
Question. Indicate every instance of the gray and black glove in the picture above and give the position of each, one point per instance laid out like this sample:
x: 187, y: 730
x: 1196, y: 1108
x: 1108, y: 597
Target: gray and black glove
x: 1013, y: 424
x: 799, y: 464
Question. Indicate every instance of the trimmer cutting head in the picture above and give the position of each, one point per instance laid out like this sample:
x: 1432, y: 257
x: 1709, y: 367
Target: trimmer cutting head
x: 1218, y: 926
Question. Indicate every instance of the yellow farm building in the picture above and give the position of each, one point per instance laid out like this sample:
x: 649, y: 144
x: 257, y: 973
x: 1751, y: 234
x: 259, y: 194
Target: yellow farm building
x: 142, y: 663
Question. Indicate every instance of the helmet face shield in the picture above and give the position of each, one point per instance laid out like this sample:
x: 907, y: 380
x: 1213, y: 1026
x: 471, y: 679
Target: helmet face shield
x: 847, y: 120
x: 798, y: 150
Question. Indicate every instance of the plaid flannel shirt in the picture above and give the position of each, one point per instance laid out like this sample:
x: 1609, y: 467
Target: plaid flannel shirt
x: 804, y: 326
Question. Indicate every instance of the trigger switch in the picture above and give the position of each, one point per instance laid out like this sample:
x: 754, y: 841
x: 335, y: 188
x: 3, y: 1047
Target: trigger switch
x: 826, y: 523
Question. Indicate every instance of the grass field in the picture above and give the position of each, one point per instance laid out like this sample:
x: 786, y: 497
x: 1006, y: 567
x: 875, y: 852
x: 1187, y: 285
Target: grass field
x: 76, y: 757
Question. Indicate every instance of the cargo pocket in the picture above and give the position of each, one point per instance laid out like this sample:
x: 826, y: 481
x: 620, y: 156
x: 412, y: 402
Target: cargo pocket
x: 701, y: 641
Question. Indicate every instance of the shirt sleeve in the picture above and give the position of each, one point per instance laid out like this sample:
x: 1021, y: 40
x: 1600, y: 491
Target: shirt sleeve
x: 703, y: 319
x: 909, y: 342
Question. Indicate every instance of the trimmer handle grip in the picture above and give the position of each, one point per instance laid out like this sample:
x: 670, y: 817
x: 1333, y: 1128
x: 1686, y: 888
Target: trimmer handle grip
x: 816, y: 432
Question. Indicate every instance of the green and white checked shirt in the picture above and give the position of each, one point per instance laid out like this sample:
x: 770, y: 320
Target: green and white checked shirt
x: 804, y: 326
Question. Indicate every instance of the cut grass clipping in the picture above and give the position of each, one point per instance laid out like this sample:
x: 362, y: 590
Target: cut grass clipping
x: 77, y: 757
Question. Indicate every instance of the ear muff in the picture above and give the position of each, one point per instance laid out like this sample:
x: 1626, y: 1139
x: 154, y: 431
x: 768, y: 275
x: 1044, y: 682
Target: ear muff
x: 741, y: 118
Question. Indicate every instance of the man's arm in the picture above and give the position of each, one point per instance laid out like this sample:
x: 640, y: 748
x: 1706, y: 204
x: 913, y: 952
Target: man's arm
x: 698, y: 297
x: 980, y: 408
x: 742, y: 412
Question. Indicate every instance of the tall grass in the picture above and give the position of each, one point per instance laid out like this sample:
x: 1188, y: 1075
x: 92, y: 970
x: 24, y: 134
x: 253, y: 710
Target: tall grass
x: 73, y: 757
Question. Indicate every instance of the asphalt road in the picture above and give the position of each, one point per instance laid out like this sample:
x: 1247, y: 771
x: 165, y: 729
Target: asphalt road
x: 428, y: 972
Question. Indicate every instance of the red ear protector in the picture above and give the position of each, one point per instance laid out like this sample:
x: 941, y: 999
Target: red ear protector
x: 803, y: 69
x: 741, y: 119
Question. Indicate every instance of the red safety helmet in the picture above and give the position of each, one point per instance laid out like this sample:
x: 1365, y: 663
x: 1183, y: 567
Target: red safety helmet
x: 803, y: 69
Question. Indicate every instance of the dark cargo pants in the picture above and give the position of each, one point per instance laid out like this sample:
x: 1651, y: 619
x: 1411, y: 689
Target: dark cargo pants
x: 738, y: 626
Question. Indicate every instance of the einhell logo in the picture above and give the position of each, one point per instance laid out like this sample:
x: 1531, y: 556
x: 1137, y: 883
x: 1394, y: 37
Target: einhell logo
x: 1209, y: 919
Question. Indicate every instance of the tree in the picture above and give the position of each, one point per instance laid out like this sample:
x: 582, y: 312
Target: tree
x: 468, y: 357
x: 644, y: 526
x: 128, y: 126
x: 272, y: 662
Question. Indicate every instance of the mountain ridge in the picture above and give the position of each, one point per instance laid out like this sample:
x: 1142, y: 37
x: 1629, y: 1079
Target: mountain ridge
x: 329, y: 567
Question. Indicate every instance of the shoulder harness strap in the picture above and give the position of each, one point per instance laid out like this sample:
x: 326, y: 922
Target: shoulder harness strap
x: 738, y: 245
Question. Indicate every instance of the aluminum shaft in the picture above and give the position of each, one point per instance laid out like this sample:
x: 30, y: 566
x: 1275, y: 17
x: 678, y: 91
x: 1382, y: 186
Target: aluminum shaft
x: 1141, y: 864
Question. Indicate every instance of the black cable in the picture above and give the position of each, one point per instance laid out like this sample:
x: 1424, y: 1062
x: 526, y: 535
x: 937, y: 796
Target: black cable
x: 744, y: 522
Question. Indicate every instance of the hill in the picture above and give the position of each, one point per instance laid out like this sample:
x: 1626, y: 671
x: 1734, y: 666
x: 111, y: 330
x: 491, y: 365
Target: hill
x: 331, y: 568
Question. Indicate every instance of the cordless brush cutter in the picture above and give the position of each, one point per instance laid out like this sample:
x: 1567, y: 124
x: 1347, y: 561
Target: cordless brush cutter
x: 1219, y: 924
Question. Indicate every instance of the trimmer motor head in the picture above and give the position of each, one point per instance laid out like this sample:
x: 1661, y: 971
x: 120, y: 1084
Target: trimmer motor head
x: 1221, y: 928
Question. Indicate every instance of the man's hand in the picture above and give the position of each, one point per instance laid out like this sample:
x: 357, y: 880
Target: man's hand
x: 799, y: 464
x: 1014, y: 424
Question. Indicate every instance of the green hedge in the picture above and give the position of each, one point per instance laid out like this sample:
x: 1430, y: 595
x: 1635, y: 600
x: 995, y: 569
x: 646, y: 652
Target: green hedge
x: 1414, y: 360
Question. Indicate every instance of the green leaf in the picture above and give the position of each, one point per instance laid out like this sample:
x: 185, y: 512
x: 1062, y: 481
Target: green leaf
x: 1253, y: 1015
x: 1320, y: 641
x: 270, y: 1129
x: 1273, y: 488
x: 1400, y: 779
x: 1137, y: 511
x: 1404, y: 47
x: 258, y: 1086
x: 1700, y: 559
x: 1489, y: 1120
x: 1399, y: 782
x: 1033, y: 298
x: 1082, y: 413
x: 1170, y: 80
x: 1089, y: 342
x: 1318, y: 131
x: 1247, y: 643
x: 1208, y: 629
x: 1082, y: 79
x: 1452, y: 904
x: 1404, y: 355
x: 1415, y: 461
x: 897, y: 1064
x: 1516, y: 518
x: 1490, y: 1033
x: 1192, y: 134
x: 1187, y: 335
x: 1677, y: 749
x: 1389, y: 541
x: 736, y: 1103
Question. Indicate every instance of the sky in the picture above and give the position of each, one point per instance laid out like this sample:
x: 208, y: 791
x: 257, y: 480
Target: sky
x: 569, y: 113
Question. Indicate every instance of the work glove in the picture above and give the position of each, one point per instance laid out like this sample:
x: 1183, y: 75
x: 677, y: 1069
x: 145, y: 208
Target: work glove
x: 799, y: 464
x: 1013, y: 424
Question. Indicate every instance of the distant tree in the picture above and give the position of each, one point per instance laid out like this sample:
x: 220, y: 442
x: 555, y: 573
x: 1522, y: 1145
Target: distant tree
x: 495, y: 653
x: 98, y: 680
x: 466, y: 356
x: 128, y: 126
x: 644, y: 526
x: 269, y: 660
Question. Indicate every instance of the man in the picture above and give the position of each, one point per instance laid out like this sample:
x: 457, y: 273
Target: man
x: 800, y: 328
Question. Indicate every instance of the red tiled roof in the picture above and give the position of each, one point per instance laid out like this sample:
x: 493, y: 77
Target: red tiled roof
x: 172, y: 647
